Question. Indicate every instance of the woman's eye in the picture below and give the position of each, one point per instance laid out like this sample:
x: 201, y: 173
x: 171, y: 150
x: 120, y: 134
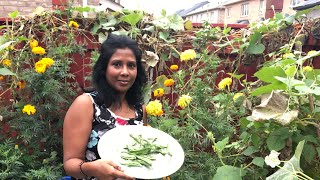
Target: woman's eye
x: 117, y: 64
x: 132, y: 65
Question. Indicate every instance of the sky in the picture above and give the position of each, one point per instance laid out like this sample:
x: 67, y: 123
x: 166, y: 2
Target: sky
x: 155, y: 6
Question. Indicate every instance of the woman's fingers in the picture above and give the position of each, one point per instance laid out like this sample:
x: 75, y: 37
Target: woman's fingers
x: 122, y: 175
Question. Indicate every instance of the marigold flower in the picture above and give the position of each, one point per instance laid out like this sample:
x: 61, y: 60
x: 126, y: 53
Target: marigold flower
x: 38, y: 50
x: 184, y: 101
x: 16, y: 146
x: 73, y: 24
x: 1, y: 78
x: 33, y: 43
x: 22, y: 84
x: 188, y: 55
x: 158, y: 92
x: 9, y: 48
x: 272, y: 159
x: 307, y: 69
x: 29, y: 109
x: 6, y: 62
x: 168, y: 82
x: 47, y: 61
x: 174, y: 67
x: 224, y: 82
x: 154, y: 108
x: 237, y: 95
x: 40, y: 67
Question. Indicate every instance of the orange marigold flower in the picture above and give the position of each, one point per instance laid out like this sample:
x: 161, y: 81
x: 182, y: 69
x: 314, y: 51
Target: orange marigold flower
x: 22, y: 84
x: 1, y: 78
x: 6, y: 62
x: 168, y: 82
x: 174, y: 67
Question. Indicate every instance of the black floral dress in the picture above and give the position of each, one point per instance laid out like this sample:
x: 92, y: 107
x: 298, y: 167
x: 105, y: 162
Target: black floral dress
x: 104, y: 120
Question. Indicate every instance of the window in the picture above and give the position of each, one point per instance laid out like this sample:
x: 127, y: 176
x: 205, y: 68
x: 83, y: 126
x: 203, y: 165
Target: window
x: 295, y: 2
x: 228, y: 12
x: 261, y: 6
x: 245, y: 9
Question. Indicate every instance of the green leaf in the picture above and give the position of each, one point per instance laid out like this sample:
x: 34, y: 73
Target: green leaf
x: 250, y: 150
x: 277, y: 139
x: 290, y: 166
x: 163, y: 35
x: 229, y: 173
x: 291, y: 71
x: 132, y: 18
x: 258, y: 161
x: 268, y: 88
x: 267, y: 74
x: 14, y: 14
x: 221, y: 144
x: 256, y: 48
x: 255, y: 38
x: 290, y: 82
x: 6, y: 72
x: 310, y: 152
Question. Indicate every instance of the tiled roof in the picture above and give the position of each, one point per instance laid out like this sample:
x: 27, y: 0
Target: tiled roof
x: 306, y: 4
x: 184, y: 12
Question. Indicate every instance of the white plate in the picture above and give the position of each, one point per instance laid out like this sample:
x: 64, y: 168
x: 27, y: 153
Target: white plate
x: 112, y: 143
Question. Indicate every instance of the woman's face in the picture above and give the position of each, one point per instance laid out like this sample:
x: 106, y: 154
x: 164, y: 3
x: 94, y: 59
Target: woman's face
x: 121, y: 71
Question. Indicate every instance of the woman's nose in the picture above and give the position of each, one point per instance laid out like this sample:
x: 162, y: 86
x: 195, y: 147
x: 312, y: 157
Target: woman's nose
x: 124, y: 71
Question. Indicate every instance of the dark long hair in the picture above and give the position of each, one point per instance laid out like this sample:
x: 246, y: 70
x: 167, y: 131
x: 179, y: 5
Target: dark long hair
x: 106, y: 93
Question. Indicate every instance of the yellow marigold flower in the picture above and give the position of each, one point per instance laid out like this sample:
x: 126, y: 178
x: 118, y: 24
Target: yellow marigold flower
x: 9, y: 48
x: 309, y: 116
x: 22, y: 84
x: 312, y: 53
x: 174, y: 67
x: 237, y: 95
x: 29, y: 109
x: 168, y: 82
x: 47, y: 61
x: 73, y: 24
x: 307, y: 69
x: 224, y: 82
x: 184, y: 101
x: 40, y: 67
x: 16, y: 146
x: 188, y: 55
x: 1, y: 78
x: 154, y: 108
x: 6, y: 62
x: 158, y: 92
x: 33, y: 43
x: 38, y: 50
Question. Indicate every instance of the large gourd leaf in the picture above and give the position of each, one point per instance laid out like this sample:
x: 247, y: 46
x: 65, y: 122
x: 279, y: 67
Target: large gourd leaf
x: 229, y: 173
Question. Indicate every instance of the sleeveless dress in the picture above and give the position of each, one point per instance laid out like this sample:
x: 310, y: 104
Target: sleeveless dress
x: 104, y: 120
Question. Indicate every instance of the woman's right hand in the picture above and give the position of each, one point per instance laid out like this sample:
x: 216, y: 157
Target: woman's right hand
x: 108, y: 170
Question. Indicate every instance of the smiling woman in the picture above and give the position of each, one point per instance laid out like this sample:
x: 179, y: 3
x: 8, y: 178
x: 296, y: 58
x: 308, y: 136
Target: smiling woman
x: 118, y: 79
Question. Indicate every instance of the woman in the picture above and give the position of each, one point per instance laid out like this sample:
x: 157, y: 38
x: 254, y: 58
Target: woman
x: 118, y: 80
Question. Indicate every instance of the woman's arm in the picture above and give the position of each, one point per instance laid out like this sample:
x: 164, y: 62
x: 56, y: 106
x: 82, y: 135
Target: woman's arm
x: 76, y: 132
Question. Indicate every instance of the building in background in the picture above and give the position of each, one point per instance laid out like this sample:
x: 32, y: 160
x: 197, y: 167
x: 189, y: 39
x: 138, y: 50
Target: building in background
x: 213, y: 12
x: 309, y: 4
x: 25, y: 7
